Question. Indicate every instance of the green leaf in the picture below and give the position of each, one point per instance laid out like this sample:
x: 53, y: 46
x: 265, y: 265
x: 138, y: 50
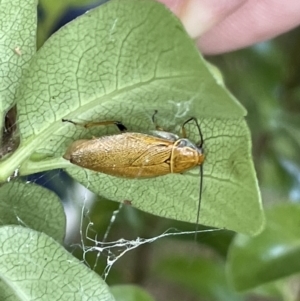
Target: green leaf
x: 271, y: 255
x: 32, y: 206
x: 122, y: 61
x: 17, y: 45
x: 130, y: 293
x: 204, y: 277
x: 35, y: 267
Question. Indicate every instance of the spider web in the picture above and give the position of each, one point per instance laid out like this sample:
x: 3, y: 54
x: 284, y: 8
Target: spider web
x: 80, y: 231
x: 111, y: 250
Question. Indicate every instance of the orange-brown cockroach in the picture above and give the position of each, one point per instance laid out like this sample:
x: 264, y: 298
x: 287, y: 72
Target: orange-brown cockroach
x: 137, y: 155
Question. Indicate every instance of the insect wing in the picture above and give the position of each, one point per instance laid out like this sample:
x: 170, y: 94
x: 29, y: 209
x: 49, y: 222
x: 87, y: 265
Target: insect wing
x: 126, y: 155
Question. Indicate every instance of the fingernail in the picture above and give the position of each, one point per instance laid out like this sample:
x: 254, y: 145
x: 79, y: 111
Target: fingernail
x: 198, y: 16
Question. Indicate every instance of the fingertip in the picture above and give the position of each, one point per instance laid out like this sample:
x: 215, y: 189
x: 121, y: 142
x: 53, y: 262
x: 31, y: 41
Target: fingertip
x: 199, y: 16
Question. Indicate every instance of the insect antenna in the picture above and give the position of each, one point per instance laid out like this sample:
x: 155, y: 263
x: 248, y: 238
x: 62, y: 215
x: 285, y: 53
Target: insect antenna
x: 200, y: 146
x: 199, y: 203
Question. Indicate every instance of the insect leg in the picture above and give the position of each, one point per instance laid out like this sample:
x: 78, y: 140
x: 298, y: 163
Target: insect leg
x: 154, y: 121
x: 119, y: 124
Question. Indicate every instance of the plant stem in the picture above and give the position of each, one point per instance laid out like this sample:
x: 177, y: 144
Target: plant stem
x: 31, y: 167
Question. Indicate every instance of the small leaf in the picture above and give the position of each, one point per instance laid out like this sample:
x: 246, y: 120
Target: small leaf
x: 35, y: 267
x: 272, y: 255
x: 130, y: 293
x: 17, y: 45
x: 32, y: 206
x: 122, y: 61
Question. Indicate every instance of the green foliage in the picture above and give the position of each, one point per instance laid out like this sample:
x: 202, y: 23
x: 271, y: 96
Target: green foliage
x: 205, y: 277
x: 130, y: 293
x: 32, y: 206
x: 271, y: 255
x: 16, y: 18
x: 35, y: 267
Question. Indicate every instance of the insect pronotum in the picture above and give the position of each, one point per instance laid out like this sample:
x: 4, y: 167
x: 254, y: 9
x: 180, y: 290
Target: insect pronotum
x: 137, y: 155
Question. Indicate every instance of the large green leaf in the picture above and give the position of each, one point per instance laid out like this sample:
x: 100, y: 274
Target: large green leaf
x: 122, y: 61
x: 271, y: 255
x: 35, y: 267
x: 17, y: 45
x: 32, y: 206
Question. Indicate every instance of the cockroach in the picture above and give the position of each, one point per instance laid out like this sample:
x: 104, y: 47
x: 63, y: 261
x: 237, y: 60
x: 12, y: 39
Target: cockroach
x: 135, y: 155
